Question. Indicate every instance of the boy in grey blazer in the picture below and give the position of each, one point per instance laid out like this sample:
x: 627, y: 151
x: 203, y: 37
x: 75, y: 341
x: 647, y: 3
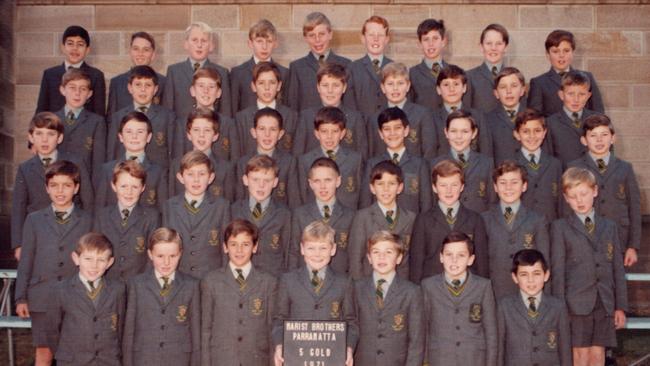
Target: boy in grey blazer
x: 389, y: 309
x: 29, y: 193
x: 509, y: 88
x: 393, y: 129
x: 301, y: 92
x: 511, y: 226
x: 142, y: 85
x: 386, y: 183
x: 262, y: 40
x: 315, y: 291
x: 142, y: 51
x: 134, y: 132
x: 324, y: 178
x: 431, y: 227
x: 422, y: 138
x: 202, y: 131
x: 533, y: 326
x: 273, y: 219
x: 364, y: 92
x: 127, y: 224
x: 267, y: 131
x: 543, y: 96
x: 85, y: 131
x: 198, y: 217
x: 432, y: 41
x: 588, y: 271
x: 49, y: 237
x: 332, y: 83
x: 478, y: 193
x: 266, y: 84
x: 238, y: 304
x: 619, y: 191
x: 544, y: 171
x: 459, y: 308
x: 86, y: 311
x: 494, y: 42
x: 199, y: 43
x: 330, y: 129
x: 163, y: 315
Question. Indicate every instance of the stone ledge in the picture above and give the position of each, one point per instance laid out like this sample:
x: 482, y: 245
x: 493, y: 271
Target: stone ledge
x: 375, y: 2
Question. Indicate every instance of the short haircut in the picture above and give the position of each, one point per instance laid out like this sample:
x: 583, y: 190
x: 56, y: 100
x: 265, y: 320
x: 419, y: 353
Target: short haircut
x: 392, y: 114
x: 76, y: 31
x: 386, y: 167
x: 451, y: 72
x: 143, y: 72
x: 507, y: 71
x: 429, y: 25
x: 203, y: 27
x: 146, y: 36
x: 241, y: 226
x: 508, y: 166
x: 132, y: 168
x: 395, y: 69
x: 385, y: 235
x: 203, y: 113
x: 63, y: 167
x: 194, y: 158
x: 93, y: 242
x: 265, y: 66
x: 575, y: 176
x: 47, y: 120
x: 262, y: 28
x: 596, y: 120
x: 318, y: 230
x: 135, y: 116
x: 332, y: 70
x: 268, y: 112
x: 207, y: 72
x: 575, y: 77
x: 324, y: 163
x: 76, y: 74
x: 456, y: 236
x: 313, y: 20
x: 165, y: 235
x: 447, y: 168
x: 378, y: 20
x: 529, y: 114
x: 261, y: 163
x: 461, y: 114
x: 330, y: 115
x: 558, y: 36
x: 528, y: 257
x: 497, y: 28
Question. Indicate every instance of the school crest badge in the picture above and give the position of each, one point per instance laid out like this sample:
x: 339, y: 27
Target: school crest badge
x: 287, y: 142
x: 551, y: 339
x: 281, y: 191
x: 529, y: 239
x: 398, y: 322
x: 160, y: 138
x: 349, y: 139
x: 257, y: 307
x: 481, y: 189
x: 414, y: 185
x: 139, y: 244
x: 350, y: 186
x: 413, y: 136
x: 475, y: 313
x: 114, y: 322
x: 181, y: 315
x: 88, y: 143
x: 554, y: 189
x: 215, y: 190
x: 275, y: 241
x: 610, y: 251
x: 151, y: 196
x: 225, y: 144
x: 621, y: 192
x: 214, y: 237
x: 335, y: 310
x: 343, y: 240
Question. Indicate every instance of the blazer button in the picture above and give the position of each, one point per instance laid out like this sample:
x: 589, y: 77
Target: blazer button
x: 96, y: 353
x: 192, y: 237
x: 192, y: 252
x: 96, y: 336
x: 60, y: 264
x: 457, y: 344
x: 535, y: 349
x: 534, y: 333
x: 380, y: 336
x: 162, y: 327
x: 162, y: 344
x: 239, y: 339
x: 193, y: 268
x: 457, y: 327
x: 597, y: 265
x: 95, y: 319
x: 59, y: 278
x: 61, y: 249
x: 316, y: 307
x: 456, y: 311
x: 380, y: 352
x: 241, y: 306
x: 162, y: 311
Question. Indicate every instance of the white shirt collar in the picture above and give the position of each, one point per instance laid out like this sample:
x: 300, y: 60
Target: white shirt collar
x: 455, y: 207
x: 160, y: 280
x: 399, y: 153
x: 399, y: 105
x: 525, y: 296
x: 198, y: 200
x: 85, y: 281
x: 261, y: 105
x: 389, y: 280
x: 246, y: 269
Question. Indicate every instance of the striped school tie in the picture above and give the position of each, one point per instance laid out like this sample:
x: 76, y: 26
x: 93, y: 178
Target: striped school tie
x: 379, y: 293
x: 166, y: 287
x: 240, y: 279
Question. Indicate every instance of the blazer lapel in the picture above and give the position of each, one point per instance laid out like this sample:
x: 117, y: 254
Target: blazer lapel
x: 80, y: 291
x: 378, y: 216
x: 153, y: 286
x: 187, y: 70
x: 104, y: 295
x: 554, y: 77
x: 312, y: 62
x: 520, y: 217
x: 252, y: 281
x: 337, y: 213
x: 394, y: 293
x: 176, y: 286
x: 230, y: 280
x: 487, y: 74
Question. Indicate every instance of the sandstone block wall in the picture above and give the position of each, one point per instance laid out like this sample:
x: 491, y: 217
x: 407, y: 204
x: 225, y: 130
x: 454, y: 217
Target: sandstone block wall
x: 613, y: 43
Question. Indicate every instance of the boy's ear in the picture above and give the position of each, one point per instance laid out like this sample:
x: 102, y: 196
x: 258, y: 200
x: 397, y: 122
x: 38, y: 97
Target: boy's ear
x: 225, y: 248
x: 524, y: 188
x: 338, y: 181
x: 255, y: 248
x: 400, y: 188
x: 438, y: 90
x: 516, y: 135
x: 62, y: 90
x: 583, y: 140
x: 281, y: 134
x: 113, y: 187
x: 464, y: 88
x: 496, y: 95
x: 514, y: 277
x: 244, y: 180
x: 75, y: 258
x: 253, y: 87
x: 215, y: 137
x: 219, y: 91
x: 560, y: 94
x: 279, y: 85
x: 211, y: 179
x: 275, y: 182
x: 253, y: 133
x: 149, y: 254
x: 343, y: 133
x: 76, y: 188
x: 192, y: 91
x: 111, y: 260
x: 179, y: 176
x: 471, y: 260
x: 407, y: 130
x: 149, y: 136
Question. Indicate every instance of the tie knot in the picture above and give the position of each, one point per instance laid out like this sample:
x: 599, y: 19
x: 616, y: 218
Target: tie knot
x: 326, y: 212
x: 165, y: 280
x: 331, y: 154
x: 509, y: 209
x: 461, y: 157
x: 196, y: 66
x: 531, y: 157
x: 46, y: 161
x: 495, y: 71
x: 240, y: 272
x: 435, y: 69
x: 562, y: 73
x: 125, y: 213
x: 133, y: 157
x: 390, y: 213
x: 454, y: 108
x: 193, y: 203
x: 380, y: 282
x: 455, y: 283
x: 575, y: 115
x: 91, y: 284
x: 142, y: 109
x: 531, y: 300
x: 512, y: 114
x: 59, y: 214
x: 450, y: 212
x: 321, y: 58
x: 395, y: 158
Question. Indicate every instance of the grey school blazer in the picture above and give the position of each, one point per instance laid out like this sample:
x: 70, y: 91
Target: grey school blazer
x: 543, y: 93
x: 85, y: 138
x: 364, y: 91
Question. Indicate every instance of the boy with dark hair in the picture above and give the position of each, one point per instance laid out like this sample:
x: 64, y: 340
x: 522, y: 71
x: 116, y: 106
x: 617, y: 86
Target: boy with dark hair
x: 432, y: 41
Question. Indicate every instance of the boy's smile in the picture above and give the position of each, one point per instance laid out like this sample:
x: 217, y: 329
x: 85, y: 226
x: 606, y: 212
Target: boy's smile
x: 432, y: 45
x: 317, y: 254
x: 240, y: 249
x: 375, y: 39
x: 61, y: 190
x: 531, y: 134
x: 128, y: 189
x: 319, y: 39
x: 45, y: 140
x: 165, y: 257
x: 92, y: 263
x: 75, y: 49
x: 493, y: 47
